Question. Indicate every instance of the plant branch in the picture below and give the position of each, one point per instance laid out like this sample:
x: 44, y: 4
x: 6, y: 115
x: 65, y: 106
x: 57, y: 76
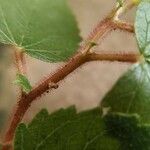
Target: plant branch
x: 20, y: 61
x: 76, y: 61
x: 20, y: 65
x: 26, y: 101
x: 119, y: 56
x: 101, y: 30
x: 123, y: 26
x: 59, y: 75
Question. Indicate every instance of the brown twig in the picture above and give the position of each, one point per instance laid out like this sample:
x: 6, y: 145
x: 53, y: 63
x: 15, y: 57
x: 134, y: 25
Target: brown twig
x: 123, y: 26
x: 20, y: 64
x: 25, y: 102
x: 122, y: 10
x: 119, y: 56
x: 59, y: 75
x: 20, y: 61
x: 79, y: 59
x: 76, y: 61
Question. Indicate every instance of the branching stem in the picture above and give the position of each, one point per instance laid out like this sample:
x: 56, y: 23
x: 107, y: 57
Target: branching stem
x: 123, y: 26
x: 83, y: 55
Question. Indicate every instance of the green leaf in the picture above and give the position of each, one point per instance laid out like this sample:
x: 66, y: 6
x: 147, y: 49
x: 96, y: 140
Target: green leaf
x: 131, y: 94
x: 142, y: 28
x: 65, y: 130
x: 129, y: 130
x: 23, y: 136
x: 22, y: 81
x: 46, y: 29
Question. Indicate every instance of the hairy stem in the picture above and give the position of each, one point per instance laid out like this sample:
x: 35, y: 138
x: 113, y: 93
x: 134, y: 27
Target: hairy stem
x: 101, y: 30
x: 79, y: 59
x: 59, y: 75
x: 123, y: 26
x: 20, y: 61
x: 20, y: 64
x: 121, y: 57
x: 26, y: 101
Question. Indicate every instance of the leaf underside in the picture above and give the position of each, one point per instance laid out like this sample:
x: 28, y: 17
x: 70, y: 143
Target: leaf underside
x: 45, y: 29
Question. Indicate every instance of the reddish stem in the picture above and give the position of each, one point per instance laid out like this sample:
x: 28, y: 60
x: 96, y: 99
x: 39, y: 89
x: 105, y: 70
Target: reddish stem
x: 80, y: 58
x: 59, y: 75
x: 121, y: 57
x: 123, y: 26
x: 26, y: 101
x: 20, y: 61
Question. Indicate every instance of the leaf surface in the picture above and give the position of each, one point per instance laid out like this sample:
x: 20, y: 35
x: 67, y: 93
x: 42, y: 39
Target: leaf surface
x: 142, y: 28
x: 45, y: 29
x: 129, y: 130
x: 131, y: 93
x: 23, y: 82
x: 128, y: 102
x: 65, y: 129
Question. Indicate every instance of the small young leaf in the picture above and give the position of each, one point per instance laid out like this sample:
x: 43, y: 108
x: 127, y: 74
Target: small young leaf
x: 45, y: 29
x: 129, y: 130
x: 142, y: 28
x: 23, y: 82
x: 65, y: 130
x: 131, y: 93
